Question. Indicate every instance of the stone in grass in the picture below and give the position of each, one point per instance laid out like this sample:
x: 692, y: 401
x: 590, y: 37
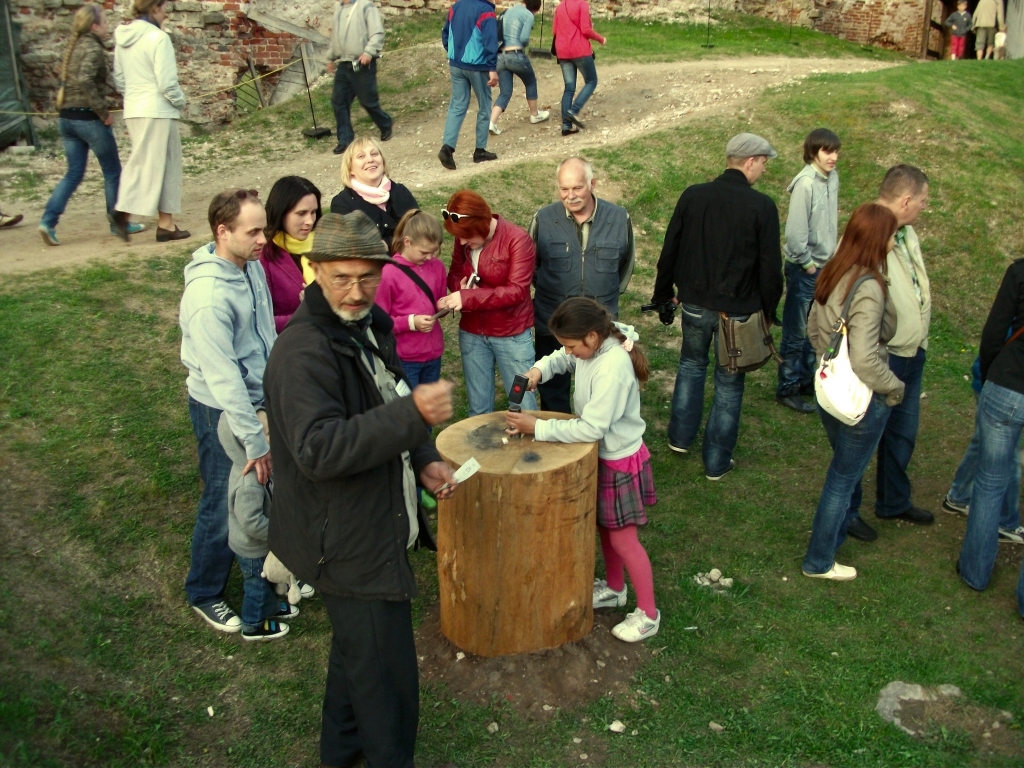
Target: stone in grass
x: 715, y: 575
x: 716, y: 727
x: 492, y: 728
x: 617, y: 727
x: 889, y: 699
x: 726, y: 583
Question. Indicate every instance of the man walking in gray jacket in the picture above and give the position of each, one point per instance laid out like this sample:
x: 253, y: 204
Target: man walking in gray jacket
x: 227, y: 331
x: 357, y: 40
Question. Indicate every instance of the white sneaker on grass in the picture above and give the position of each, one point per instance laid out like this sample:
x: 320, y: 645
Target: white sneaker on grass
x: 606, y: 597
x: 1012, y: 536
x: 637, y: 626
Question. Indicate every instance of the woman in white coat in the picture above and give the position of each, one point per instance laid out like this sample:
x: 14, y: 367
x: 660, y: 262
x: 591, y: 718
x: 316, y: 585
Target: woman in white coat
x: 146, y: 73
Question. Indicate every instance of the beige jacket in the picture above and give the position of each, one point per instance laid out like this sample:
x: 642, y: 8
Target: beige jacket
x: 915, y: 316
x: 871, y: 324
x: 989, y: 13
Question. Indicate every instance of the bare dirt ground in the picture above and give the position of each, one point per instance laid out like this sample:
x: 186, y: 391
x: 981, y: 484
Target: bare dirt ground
x: 631, y: 100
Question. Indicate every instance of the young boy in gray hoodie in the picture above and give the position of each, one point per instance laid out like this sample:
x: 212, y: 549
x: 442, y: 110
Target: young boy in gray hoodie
x: 248, y: 521
x: 812, y: 233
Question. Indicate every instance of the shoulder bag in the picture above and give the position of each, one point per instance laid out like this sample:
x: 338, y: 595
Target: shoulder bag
x: 837, y: 388
x: 744, y: 345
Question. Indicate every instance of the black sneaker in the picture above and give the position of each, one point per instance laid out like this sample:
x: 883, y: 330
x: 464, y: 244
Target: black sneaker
x: 447, y: 157
x: 286, y: 611
x: 716, y: 478
x: 861, y: 530
x: 796, y: 403
x: 569, y: 117
x: 955, y: 507
x: 482, y: 155
x: 268, y: 630
x: 219, y: 616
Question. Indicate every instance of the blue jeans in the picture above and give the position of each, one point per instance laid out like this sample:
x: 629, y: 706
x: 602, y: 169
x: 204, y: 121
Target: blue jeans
x: 963, y: 482
x: 79, y: 137
x: 1000, y: 422
x: 798, y: 359
x: 700, y: 329
x: 259, y: 600
x: 584, y: 65
x: 350, y: 84
x: 852, y: 448
x: 463, y: 82
x: 422, y: 373
x: 211, y: 556
x: 513, y: 354
x: 514, y: 63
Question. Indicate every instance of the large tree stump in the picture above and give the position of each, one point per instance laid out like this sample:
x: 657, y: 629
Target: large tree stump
x: 515, y: 555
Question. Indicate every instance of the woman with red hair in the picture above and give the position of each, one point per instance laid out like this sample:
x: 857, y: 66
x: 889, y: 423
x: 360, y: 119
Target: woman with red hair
x: 489, y: 280
x: 871, y: 323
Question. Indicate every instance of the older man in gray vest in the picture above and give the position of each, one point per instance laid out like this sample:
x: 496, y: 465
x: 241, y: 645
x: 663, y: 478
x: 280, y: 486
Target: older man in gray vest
x: 584, y: 248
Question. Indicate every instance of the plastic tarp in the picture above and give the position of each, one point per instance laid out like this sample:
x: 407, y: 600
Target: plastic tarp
x: 12, y: 83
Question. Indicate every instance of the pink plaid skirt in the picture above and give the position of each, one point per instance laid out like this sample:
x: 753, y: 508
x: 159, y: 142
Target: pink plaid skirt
x: 624, y: 488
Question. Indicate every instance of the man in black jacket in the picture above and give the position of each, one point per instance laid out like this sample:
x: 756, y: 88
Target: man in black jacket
x: 349, y: 441
x: 722, y: 254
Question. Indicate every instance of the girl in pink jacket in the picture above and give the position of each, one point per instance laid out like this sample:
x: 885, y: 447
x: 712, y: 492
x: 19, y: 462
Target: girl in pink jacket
x: 573, y: 32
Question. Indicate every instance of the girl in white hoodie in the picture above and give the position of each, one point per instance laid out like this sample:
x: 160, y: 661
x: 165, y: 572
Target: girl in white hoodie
x: 608, y: 369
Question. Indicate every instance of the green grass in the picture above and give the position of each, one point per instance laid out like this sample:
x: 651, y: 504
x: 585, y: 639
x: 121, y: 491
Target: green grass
x: 103, y: 664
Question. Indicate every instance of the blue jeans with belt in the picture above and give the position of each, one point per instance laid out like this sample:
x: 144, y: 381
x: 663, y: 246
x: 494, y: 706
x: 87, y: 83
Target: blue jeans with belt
x: 700, y: 329
x: 515, y: 63
x: 79, y: 137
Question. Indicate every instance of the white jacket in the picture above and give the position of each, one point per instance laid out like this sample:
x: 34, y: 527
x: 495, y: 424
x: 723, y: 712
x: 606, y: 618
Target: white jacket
x: 145, y: 71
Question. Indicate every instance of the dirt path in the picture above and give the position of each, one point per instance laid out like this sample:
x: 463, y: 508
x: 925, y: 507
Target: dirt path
x: 631, y: 100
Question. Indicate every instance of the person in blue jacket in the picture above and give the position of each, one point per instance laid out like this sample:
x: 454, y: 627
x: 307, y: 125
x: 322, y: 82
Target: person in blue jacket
x: 470, y: 35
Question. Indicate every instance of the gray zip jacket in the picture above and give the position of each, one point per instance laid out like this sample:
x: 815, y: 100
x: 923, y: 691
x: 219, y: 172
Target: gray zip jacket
x: 227, y: 330
x: 248, y: 500
x: 357, y: 29
x: 812, y: 225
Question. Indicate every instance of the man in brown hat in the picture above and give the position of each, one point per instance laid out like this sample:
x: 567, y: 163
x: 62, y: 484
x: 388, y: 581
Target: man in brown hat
x: 349, y: 443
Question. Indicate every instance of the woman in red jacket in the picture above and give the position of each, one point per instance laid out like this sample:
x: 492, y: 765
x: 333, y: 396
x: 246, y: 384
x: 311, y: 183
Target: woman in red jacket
x: 489, y: 280
x: 573, y: 32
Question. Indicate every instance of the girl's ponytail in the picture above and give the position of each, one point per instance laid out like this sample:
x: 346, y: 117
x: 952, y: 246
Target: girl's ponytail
x: 579, y: 315
x: 85, y: 17
x: 419, y: 227
x: 641, y: 366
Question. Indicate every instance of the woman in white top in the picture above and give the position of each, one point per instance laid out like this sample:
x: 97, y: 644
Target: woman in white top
x: 146, y: 73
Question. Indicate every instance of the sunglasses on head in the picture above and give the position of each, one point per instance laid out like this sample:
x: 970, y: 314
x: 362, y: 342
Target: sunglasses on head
x: 453, y: 217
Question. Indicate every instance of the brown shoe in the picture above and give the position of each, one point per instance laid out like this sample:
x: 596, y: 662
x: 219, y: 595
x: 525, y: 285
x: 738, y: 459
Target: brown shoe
x: 167, y: 235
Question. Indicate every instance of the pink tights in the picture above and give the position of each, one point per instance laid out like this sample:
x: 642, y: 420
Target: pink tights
x: 622, y: 549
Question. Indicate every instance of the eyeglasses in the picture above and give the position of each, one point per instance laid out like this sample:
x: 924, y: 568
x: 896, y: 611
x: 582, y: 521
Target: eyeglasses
x: 344, y: 284
x: 453, y: 217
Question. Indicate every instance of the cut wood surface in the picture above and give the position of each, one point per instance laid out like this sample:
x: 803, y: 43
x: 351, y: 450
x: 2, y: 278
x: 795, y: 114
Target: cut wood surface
x: 515, y: 542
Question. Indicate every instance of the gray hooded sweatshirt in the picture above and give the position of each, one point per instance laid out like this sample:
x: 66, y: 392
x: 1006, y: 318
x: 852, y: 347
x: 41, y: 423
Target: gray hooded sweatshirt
x: 812, y: 226
x: 248, y: 500
x: 227, y: 330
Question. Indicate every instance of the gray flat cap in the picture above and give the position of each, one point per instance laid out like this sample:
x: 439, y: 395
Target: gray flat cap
x: 349, y: 236
x: 749, y: 145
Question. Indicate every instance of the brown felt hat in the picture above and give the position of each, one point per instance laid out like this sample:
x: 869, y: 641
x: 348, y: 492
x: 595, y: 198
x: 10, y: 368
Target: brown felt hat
x: 349, y: 236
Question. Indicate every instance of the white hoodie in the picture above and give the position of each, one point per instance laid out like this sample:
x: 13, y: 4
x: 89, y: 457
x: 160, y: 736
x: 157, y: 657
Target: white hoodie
x: 145, y: 71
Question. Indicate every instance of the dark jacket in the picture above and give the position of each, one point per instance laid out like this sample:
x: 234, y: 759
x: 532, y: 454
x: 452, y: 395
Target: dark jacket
x: 88, y: 69
x: 338, y: 519
x: 348, y: 200
x: 1002, y: 362
x: 722, y: 249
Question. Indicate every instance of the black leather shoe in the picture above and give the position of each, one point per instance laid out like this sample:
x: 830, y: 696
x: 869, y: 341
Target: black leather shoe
x: 167, y: 235
x: 807, y: 390
x: 914, y: 515
x: 447, y: 157
x: 571, y: 118
x: 795, y: 402
x: 340, y: 149
x: 570, y: 131
x: 861, y: 530
x: 482, y: 155
x: 385, y: 135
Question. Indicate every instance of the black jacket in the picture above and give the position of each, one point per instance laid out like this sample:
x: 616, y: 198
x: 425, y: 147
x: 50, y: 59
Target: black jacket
x: 338, y: 518
x: 722, y: 249
x: 401, y: 201
x: 1002, y: 362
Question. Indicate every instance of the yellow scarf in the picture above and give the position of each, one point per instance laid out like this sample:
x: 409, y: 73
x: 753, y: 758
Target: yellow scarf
x: 297, y: 248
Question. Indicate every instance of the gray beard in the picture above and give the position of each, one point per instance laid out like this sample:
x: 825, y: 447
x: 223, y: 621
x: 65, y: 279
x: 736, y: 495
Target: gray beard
x: 351, y: 317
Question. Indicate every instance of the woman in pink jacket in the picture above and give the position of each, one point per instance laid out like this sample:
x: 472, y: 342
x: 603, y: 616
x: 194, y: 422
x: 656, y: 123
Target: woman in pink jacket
x: 573, y: 32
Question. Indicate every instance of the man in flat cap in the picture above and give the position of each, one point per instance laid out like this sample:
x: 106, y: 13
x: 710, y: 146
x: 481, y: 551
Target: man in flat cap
x: 721, y: 255
x: 349, y: 441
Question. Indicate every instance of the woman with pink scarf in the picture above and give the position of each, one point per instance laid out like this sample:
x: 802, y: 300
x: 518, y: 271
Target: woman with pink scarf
x: 364, y: 172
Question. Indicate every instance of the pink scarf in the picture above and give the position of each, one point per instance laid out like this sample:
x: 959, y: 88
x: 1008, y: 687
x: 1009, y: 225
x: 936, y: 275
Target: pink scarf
x: 378, y: 195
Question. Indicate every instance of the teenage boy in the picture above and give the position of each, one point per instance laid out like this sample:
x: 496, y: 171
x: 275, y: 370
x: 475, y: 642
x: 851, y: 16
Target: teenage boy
x: 227, y: 330
x: 811, y: 234
x: 959, y: 24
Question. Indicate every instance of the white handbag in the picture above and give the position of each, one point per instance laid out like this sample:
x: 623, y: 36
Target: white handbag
x: 837, y: 388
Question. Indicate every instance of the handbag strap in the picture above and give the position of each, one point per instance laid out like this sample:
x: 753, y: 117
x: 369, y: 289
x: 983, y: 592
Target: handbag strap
x: 1016, y: 335
x: 418, y: 280
x: 840, y: 324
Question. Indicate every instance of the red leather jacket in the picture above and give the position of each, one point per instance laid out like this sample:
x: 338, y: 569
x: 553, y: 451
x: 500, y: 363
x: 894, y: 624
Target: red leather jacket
x: 500, y: 304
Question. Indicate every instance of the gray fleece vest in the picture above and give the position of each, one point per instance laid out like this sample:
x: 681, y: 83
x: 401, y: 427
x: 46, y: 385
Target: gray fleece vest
x: 564, y: 269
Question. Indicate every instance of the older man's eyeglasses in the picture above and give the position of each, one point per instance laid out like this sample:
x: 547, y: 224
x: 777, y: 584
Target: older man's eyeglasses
x: 453, y: 217
x: 345, y: 284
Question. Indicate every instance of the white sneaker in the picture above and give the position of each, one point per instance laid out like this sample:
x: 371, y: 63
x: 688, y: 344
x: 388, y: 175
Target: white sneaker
x: 836, y: 573
x: 306, y: 590
x: 1014, y: 536
x: 494, y: 129
x: 606, y: 597
x: 540, y: 117
x: 637, y: 626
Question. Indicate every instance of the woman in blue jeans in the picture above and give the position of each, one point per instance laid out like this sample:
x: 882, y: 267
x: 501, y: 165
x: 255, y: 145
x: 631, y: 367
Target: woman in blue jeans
x: 1000, y: 421
x: 85, y: 122
x: 517, y: 23
x: 573, y: 32
x: 870, y: 323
